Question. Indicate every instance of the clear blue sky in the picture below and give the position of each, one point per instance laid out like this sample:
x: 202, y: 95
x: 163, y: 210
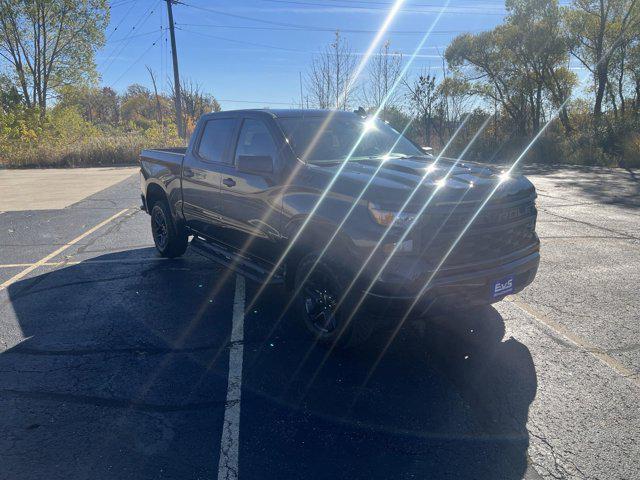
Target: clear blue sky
x: 248, y: 53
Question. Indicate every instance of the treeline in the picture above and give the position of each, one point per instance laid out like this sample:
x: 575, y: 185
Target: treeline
x: 573, y: 70
x: 51, y: 112
x: 93, y: 125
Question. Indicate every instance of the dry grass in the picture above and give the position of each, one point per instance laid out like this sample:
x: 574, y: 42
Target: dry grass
x: 92, y: 151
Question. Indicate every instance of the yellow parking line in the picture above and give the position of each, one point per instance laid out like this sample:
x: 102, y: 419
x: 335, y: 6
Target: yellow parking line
x: 577, y: 340
x: 57, y: 252
x: 85, y: 262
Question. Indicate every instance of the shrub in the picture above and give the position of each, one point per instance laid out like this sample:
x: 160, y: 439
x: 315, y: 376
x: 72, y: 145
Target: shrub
x: 631, y: 151
x: 65, y: 139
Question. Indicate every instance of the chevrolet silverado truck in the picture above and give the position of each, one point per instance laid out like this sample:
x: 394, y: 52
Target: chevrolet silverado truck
x: 357, y: 221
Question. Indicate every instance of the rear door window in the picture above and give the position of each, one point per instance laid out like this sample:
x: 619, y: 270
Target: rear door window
x: 215, y: 138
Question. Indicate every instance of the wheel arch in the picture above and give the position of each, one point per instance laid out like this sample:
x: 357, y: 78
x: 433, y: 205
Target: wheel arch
x: 315, y: 235
x: 155, y: 193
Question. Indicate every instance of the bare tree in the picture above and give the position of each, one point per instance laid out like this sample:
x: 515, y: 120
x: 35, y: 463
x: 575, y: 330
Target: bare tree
x: 422, y: 97
x: 329, y: 80
x: 155, y: 91
x: 195, y: 102
x: 319, y: 82
x: 383, y: 70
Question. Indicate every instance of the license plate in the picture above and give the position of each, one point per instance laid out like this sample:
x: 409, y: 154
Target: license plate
x: 502, y: 287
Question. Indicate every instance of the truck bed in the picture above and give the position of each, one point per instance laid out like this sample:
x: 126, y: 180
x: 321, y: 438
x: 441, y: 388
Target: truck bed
x: 163, y: 156
x: 180, y: 150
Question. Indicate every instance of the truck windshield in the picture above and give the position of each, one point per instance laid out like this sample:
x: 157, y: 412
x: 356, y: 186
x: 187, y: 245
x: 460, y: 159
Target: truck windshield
x: 339, y: 137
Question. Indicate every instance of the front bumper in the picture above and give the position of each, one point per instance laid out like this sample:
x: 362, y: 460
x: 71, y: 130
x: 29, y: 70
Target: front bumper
x: 457, y: 290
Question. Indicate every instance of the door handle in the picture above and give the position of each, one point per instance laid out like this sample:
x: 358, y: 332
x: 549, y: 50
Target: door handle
x: 229, y: 182
x: 187, y: 173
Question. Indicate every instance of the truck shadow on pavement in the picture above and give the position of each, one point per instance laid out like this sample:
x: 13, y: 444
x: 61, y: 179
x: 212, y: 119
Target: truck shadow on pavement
x: 123, y: 374
x: 609, y: 186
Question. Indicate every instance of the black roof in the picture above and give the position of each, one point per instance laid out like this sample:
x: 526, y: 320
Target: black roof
x: 289, y: 112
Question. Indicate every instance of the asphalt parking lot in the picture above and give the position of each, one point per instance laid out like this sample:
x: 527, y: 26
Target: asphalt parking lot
x: 115, y: 363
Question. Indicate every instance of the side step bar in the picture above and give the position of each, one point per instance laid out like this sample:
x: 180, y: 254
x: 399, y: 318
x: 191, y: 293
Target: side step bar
x: 252, y: 269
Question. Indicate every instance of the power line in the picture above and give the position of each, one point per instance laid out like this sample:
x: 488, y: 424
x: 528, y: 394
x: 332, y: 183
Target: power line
x: 428, y: 5
x: 292, y: 26
x: 389, y: 4
x: 260, y: 45
x: 124, y: 39
x: 378, y: 6
x: 244, y: 17
x: 119, y: 4
x: 135, y: 62
x: 273, y: 47
x: 304, y: 28
x: 120, y: 22
x: 141, y: 21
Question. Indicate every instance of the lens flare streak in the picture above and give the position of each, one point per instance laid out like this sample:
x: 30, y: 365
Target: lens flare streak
x: 503, y: 177
x: 341, y: 224
x: 377, y: 39
x: 353, y: 282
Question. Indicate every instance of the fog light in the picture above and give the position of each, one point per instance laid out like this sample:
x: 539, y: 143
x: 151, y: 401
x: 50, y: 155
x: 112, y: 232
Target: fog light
x: 403, y: 247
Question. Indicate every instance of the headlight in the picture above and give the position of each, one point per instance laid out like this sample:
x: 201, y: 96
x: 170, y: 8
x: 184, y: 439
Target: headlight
x: 386, y: 217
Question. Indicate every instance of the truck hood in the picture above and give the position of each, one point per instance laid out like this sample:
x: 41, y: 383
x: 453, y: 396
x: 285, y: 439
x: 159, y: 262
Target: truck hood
x: 391, y: 183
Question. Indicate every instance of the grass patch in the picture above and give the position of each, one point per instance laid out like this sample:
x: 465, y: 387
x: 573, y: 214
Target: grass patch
x: 93, y: 151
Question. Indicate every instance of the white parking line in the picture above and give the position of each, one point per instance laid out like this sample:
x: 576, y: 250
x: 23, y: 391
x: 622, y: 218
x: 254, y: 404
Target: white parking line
x: 57, y: 252
x: 230, y: 440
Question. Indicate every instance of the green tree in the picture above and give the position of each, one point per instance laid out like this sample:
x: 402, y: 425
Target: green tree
x: 138, y: 107
x: 487, y: 62
x: 50, y: 43
x: 598, y: 30
x: 539, y: 43
x: 520, y: 64
x: 100, y: 106
x: 633, y: 67
x: 10, y: 98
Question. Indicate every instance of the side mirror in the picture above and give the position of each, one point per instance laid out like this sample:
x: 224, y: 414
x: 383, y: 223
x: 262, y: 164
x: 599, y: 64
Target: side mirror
x: 428, y: 150
x: 258, y: 164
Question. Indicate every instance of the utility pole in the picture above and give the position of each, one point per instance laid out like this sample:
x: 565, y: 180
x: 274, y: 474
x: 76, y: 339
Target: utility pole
x: 301, y: 98
x: 176, y: 75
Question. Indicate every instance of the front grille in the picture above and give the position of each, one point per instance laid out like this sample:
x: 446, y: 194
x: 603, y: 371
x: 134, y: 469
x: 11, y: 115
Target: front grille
x: 497, y: 233
x: 477, y: 247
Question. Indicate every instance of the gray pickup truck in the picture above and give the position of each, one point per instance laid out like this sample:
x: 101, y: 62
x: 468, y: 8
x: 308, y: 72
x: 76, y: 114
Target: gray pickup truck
x: 357, y: 221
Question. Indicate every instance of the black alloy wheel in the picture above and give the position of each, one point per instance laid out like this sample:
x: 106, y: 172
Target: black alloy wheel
x: 159, y: 228
x: 170, y: 239
x: 320, y: 301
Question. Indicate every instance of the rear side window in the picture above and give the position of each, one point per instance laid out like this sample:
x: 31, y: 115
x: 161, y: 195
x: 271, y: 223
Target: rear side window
x: 255, y: 139
x: 214, y: 139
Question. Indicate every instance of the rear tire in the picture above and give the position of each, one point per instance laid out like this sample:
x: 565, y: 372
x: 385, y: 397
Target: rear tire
x: 170, y: 240
x: 320, y: 306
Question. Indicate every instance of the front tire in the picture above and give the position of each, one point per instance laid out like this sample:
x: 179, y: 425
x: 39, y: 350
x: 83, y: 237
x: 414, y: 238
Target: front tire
x: 320, y: 285
x: 170, y: 240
